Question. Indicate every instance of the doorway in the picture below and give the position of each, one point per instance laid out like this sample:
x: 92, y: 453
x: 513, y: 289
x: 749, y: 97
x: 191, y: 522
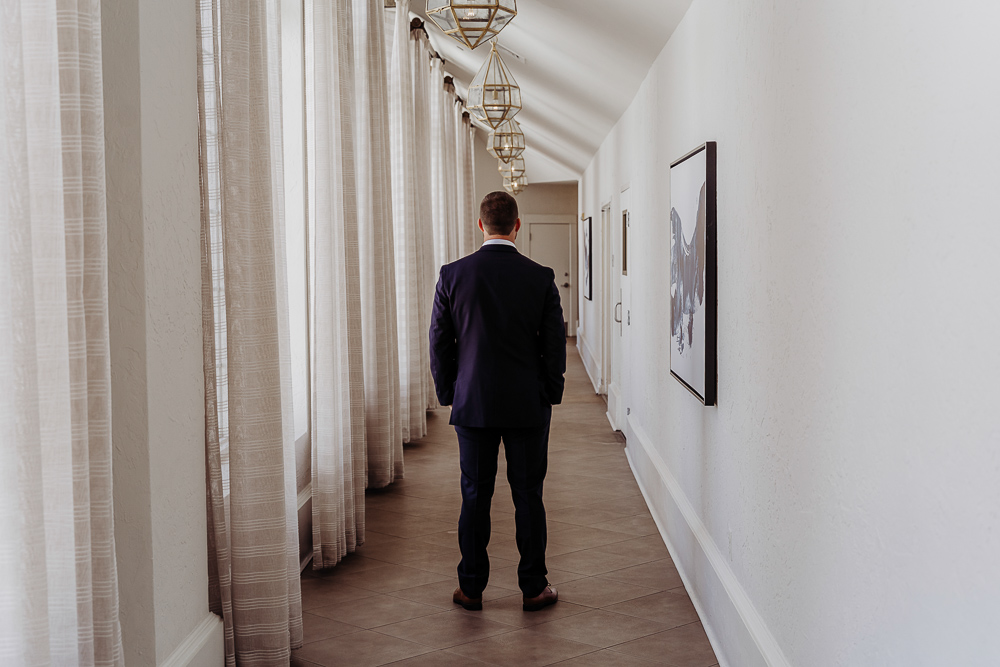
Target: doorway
x: 551, y: 241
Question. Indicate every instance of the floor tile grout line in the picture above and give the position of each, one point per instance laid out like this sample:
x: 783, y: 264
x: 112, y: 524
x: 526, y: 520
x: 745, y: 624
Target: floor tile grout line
x: 435, y: 649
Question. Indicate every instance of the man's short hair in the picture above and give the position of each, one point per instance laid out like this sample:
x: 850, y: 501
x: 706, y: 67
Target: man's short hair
x: 498, y: 213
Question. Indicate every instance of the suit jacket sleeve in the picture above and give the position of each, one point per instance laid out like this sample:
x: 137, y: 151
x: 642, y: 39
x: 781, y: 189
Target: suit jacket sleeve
x: 444, y: 348
x: 552, y: 337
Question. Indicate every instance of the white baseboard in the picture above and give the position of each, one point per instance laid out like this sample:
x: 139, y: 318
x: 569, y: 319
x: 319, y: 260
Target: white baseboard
x: 203, y: 647
x: 614, y: 407
x: 736, y: 630
x: 589, y: 360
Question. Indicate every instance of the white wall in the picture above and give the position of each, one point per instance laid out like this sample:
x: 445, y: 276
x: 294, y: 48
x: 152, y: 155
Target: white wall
x: 841, y: 505
x: 154, y: 255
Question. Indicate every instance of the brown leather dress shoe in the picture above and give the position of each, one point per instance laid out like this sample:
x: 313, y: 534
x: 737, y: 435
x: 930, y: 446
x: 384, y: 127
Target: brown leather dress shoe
x: 472, y: 604
x: 543, y: 599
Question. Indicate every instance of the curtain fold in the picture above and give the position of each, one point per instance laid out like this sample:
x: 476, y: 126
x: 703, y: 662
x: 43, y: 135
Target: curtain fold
x: 376, y: 245
x: 339, y: 459
x: 249, y: 438
x: 59, y: 595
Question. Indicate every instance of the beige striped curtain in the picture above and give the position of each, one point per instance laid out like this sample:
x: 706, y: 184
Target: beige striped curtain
x: 440, y: 110
x: 452, y: 179
x: 464, y: 165
x: 59, y: 589
x: 452, y: 111
x: 420, y: 66
x: 411, y: 225
x: 339, y: 460
x: 376, y: 245
x: 253, y: 531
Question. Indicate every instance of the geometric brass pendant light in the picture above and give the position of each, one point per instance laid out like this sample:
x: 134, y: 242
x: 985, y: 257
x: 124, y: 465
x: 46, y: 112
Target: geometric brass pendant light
x: 515, y: 186
x: 507, y: 141
x: 494, y: 96
x: 471, y: 22
x: 512, y: 169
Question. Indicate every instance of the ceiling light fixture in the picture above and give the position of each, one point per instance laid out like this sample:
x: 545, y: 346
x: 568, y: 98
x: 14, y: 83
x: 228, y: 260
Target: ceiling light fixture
x: 494, y: 96
x: 515, y: 186
x: 507, y: 141
x: 471, y: 22
x: 512, y: 169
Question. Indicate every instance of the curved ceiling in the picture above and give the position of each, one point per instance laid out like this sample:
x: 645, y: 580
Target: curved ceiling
x: 579, y: 64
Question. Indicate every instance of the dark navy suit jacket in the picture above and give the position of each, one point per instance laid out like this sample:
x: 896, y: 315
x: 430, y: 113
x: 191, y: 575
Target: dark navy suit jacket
x: 498, y: 341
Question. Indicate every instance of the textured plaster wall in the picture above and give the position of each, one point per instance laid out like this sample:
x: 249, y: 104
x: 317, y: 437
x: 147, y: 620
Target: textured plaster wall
x: 848, y: 477
x: 155, y: 312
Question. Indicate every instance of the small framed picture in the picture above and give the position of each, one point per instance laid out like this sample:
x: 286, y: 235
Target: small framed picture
x: 693, y: 299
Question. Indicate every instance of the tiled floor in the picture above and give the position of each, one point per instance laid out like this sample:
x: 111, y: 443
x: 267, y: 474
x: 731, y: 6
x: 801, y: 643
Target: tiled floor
x: 621, y: 602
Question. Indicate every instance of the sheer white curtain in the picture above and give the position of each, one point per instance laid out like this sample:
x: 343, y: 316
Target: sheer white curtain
x: 378, y: 279
x: 440, y: 196
x: 452, y: 110
x: 411, y: 225
x: 464, y: 166
x: 420, y: 65
x: 253, y: 530
x: 59, y: 589
x: 339, y: 461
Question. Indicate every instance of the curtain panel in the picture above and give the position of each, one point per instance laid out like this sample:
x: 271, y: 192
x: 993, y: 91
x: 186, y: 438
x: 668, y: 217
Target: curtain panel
x: 451, y: 112
x: 339, y: 454
x: 421, y: 55
x: 411, y: 224
x: 59, y: 592
x: 253, y: 530
x: 376, y: 244
x: 468, y: 230
x: 452, y: 179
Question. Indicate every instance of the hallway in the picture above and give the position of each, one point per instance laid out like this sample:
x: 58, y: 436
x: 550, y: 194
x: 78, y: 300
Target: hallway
x: 621, y: 600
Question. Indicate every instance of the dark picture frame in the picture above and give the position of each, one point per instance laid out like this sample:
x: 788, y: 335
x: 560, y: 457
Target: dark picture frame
x: 588, y: 259
x: 693, y: 272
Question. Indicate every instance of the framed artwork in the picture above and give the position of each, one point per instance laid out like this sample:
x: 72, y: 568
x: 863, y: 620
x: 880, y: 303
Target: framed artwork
x: 588, y: 259
x: 693, y: 298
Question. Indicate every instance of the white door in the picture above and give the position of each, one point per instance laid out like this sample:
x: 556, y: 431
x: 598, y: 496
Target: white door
x: 608, y: 325
x: 619, y: 315
x: 552, y: 243
x: 625, y: 221
x: 615, y: 318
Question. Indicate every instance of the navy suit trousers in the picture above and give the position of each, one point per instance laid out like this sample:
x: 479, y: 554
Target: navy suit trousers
x: 526, y: 451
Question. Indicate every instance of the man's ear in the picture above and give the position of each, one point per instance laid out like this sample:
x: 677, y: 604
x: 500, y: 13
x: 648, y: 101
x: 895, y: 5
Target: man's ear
x: 481, y: 226
x: 517, y: 224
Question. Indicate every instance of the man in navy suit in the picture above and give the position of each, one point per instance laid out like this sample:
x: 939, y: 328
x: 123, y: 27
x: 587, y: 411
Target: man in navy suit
x: 498, y: 356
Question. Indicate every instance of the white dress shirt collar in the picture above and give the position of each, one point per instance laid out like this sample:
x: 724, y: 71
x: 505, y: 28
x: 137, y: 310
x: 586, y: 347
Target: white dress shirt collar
x: 500, y: 242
